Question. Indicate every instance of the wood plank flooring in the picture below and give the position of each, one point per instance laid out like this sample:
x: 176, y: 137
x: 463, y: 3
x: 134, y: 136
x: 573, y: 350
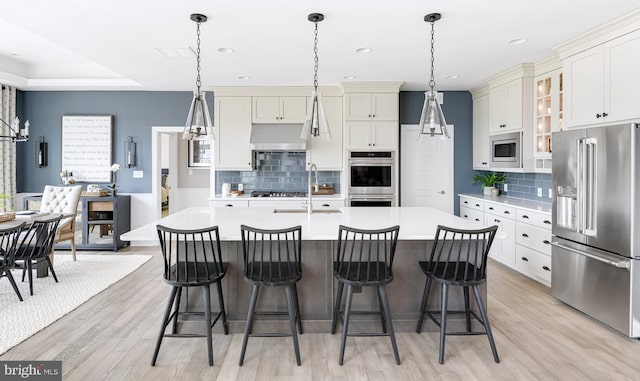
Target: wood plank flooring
x: 111, y: 337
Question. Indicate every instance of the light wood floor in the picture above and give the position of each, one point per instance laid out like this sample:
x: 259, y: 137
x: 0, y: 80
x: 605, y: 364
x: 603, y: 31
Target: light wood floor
x: 538, y: 338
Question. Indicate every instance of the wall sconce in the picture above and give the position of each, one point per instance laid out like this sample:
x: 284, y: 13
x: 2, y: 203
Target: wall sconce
x: 42, y: 152
x: 129, y: 152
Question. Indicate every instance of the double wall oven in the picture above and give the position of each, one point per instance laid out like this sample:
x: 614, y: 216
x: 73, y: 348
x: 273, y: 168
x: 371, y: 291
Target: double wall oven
x: 371, y: 178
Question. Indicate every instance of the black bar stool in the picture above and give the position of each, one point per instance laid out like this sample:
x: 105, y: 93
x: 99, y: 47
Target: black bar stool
x: 192, y: 258
x: 364, y: 258
x: 272, y: 258
x: 458, y: 258
x: 8, y: 245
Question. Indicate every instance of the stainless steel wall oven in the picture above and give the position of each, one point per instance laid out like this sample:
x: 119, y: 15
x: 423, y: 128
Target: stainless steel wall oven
x: 371, y: 178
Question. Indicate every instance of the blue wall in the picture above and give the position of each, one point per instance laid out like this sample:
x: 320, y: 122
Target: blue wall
x: 458, y: 110
x: 134, y: 112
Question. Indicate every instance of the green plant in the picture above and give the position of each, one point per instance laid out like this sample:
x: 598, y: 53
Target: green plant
x: 3, y: 204
x: 490, y: 179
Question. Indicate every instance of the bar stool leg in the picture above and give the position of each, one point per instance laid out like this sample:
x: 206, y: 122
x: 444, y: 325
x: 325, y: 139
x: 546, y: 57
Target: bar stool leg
x: 467, y: 311
x: 292, y: 320
x: 382, y: 313
x: 336, y: 308
x: 165, y: 321
x: 485, y: 319
x: 423, y: 306
x: 385, y: 304
x: 298, y: 314
x: 247, y: 328
x: 443, y: 320
x: 345, y: 322
x: 207, y: 322
x: 174, y: 329
x: 224, y: 312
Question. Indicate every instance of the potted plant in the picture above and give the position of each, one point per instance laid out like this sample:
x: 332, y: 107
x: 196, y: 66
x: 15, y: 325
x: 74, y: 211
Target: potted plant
x: 6, y: 213
x: 489, y: 180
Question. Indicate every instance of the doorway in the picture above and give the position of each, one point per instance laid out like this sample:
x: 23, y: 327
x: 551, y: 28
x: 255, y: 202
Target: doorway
x: 426, y: 169
x: 164, y: 178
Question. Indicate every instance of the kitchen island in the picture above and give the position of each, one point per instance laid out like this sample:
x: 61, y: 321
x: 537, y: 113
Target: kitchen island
x: 317, y: 287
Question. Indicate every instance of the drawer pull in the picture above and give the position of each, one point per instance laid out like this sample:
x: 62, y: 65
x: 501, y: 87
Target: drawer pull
x: 326, y: 205
x: 546, y: 241
x: 498, y: 221
x: 478, y: 205
x: 547, y: 222
x: 466, y: 202
x: 546, y: 268
x: 525, y: 235
x: 490, y: 208
x: 525, y: 259
x: 506, y: 212
x: 477, y: 219
x: 525, y: 216
x: 465, y: 216
x: 228, y: 205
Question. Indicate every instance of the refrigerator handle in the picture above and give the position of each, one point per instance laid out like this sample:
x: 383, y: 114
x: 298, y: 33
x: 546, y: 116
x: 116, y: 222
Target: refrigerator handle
x: 624, y: 264
x: 580, y: 189
x: 591, y: 145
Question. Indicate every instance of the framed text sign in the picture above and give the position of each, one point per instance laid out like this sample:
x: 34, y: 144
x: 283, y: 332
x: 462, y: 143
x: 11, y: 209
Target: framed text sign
x: 87, y: 147
x: 199, y: 153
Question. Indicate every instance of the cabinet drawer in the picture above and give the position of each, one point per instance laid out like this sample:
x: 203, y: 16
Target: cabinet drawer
x: 500, y: 210
x: 471, y: 203
x: 327, y: 204
x: 100, y: 206
x: 533, y: 263
x: 471, y: 214
x: 229, y: 203
x: 542, y: 220
x: 533, y: 237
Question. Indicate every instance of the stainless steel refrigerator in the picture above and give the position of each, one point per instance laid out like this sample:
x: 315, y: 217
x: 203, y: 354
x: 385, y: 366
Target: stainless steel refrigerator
x: 595, y: 254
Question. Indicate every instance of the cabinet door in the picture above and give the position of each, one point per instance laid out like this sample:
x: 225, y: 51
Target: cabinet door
x: 497, y: 103
x: 357, y: 135
x: 513, y: 105
x: 584, y: 87
x: 623, y: 79
x: 357, y: 106
x: 503, y: 250
x: 481, y: 150
x: 384, y: 135
x: 266, y: 109
x: 293, y: 109
x: 233, y: 127
x: 384, y: 106
x: 327, y: 154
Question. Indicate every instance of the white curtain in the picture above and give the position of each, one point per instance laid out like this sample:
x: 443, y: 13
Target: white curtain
x: 8, y: 148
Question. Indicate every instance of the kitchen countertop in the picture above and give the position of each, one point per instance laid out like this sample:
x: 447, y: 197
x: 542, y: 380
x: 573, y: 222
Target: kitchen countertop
x: 536, y: 206
x: 247, y: 196
x: 416, y: 223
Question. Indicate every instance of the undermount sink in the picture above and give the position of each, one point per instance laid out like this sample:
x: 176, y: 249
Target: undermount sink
x: 314, y: 211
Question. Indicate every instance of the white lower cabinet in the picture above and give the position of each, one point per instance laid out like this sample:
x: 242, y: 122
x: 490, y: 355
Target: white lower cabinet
x: 526, y: 246
x: 297, y: 204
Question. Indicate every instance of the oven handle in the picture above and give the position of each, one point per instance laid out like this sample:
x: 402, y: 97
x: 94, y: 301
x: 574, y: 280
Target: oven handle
x: 371, y: 198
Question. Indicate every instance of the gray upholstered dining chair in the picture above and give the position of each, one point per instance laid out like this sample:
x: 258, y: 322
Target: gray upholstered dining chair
x: 63, y: 199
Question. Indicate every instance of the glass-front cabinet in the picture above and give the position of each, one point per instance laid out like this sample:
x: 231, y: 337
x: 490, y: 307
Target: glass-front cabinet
x: 548, y: 116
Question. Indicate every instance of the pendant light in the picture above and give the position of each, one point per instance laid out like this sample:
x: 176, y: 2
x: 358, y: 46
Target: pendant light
x: 432, y: 120
x: 315, y: 124
x: 198, y: 125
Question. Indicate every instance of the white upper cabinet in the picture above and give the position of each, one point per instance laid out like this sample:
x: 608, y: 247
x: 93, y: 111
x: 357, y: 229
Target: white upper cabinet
x: 327, y: 154
x: 279, y: 109
x: 481, y: 150
x: 600, y: 82
x: 371, y: 106
x: 232, y: 121
x: 508, y: 104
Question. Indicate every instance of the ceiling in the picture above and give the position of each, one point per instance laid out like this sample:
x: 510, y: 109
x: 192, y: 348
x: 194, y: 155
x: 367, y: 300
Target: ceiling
x: 112, y: 45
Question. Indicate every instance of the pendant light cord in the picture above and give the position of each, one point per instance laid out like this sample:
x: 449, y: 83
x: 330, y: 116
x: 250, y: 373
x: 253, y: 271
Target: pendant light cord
x: 432, y: 81
x: 315, y: 58
x: 198, y: 58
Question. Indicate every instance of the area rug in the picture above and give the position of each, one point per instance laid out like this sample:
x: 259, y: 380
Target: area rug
x: 78, y: 282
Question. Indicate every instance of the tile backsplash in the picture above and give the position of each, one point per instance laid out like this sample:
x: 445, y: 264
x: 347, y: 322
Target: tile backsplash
x: 276, y: 171
x: 525, y: 186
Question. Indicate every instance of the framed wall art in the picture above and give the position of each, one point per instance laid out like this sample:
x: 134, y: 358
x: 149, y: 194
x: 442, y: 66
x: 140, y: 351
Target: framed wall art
x: 199, y: 153
x: 87, y: 147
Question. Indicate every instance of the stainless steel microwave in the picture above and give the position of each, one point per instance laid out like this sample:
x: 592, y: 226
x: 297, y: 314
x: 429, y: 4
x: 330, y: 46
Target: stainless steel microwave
x: 506, y: 150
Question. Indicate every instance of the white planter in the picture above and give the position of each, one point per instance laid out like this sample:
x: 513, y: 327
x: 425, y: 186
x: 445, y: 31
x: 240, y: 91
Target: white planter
x: 487, y: 191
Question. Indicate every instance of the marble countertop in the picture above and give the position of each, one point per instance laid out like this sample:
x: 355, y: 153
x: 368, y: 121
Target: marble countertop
x: 416, y: 223
x: 536, y: 206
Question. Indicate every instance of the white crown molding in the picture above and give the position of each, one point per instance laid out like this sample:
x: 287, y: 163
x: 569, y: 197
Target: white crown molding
x: 519, y: 71
x: 547, y: 65
x: 82, y: 84
x: 479, y: 91
x: 371, y: 87
x: 13, y: 80
x: 270, y: 91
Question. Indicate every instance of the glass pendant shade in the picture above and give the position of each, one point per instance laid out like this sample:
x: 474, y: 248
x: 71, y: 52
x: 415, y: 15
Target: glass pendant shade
x: 316, y: 124
x: 198, y: 125
x: 432, y: 120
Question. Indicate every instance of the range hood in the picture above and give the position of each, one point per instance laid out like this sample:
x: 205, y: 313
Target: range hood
x: 277, y: 137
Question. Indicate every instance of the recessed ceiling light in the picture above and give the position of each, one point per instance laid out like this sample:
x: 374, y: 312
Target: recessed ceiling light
x: 349, y: 77
x: 225, y: 50
x: 517, y: 41
x: 454, y: 76
x: 364, y: 50
x: 244, y: 77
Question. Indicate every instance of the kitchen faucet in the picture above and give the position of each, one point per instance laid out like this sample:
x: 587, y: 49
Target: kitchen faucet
x: 312, y: 168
